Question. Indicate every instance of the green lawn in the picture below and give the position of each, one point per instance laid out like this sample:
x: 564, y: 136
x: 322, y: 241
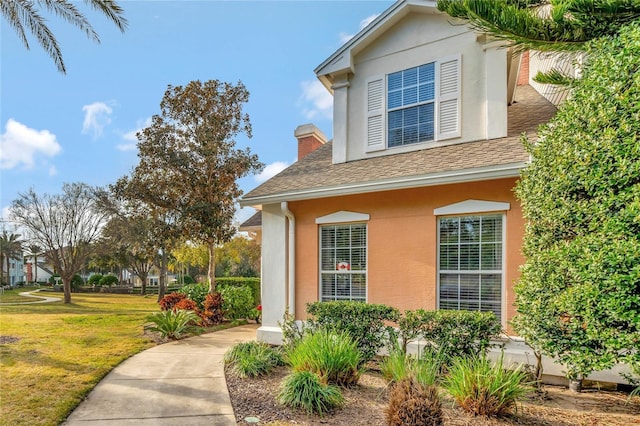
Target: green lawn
x: 63, y: 351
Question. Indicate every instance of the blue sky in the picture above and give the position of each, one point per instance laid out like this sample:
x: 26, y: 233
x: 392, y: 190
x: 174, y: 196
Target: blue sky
x: 80, y: 127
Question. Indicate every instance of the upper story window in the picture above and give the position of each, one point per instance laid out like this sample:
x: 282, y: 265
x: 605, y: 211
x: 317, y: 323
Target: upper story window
x: 414, y: 105
x: 410, y: 105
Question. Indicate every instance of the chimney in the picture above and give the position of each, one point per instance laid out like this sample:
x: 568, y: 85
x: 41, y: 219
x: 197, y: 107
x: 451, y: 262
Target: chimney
x: 309, y: 138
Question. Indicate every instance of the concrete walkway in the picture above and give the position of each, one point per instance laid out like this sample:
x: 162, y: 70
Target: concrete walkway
x: 41, y: 299
x: 178, y: 383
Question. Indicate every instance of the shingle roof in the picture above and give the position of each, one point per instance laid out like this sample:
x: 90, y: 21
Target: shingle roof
x: 254, y: 221
x: 315, y: 172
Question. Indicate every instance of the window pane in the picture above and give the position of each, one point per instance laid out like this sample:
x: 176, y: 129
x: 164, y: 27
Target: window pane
x: 492, y: 229
x: 449, y: 230
x: 410, y: 134
x: 410, y: 95
x: 469, y: 257
x: 328, y: 259
x: 349, y: 252
x: 410, y: 116
x: 449, y: 257
x: 395, y: 137
x: 394, y: 81
x: 425, y: 132
x: 469, y: 229
x: 427, y: 73
x: 492, y: 256
x: 395, y: 119
x: 410, y: 77
x: 427, y: 92
x: 394, y: 99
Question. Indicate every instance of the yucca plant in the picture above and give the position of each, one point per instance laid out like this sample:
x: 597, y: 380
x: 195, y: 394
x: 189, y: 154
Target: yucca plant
x: 252, y: 359
x: 173, y: 324
x: 305, y: 390
x: 333, y: 356
x: 484, y: 388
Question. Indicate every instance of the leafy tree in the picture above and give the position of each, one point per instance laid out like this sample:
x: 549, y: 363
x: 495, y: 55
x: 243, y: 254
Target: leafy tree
x: 26, y: 15
x: 579, y: 294
x: 66, y: 225
x: 10, y: 248
x: 239, y: 257
x: 189, y: 164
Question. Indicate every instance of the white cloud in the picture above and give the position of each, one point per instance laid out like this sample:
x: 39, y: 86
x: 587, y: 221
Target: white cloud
x: 270, y: 171
x: 20, y: 144
x: 96, y: 118
x: 53, y: 171
x: 131, y: 136
x: 316, y: 100
x: 344, y: 37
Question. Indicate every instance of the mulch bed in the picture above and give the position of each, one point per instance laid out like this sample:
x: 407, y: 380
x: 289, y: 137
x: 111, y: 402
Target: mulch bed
x: 366, y: 404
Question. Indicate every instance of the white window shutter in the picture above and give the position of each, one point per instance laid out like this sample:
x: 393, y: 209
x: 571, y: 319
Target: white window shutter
x: 375, y: 114
x: 449, y: 98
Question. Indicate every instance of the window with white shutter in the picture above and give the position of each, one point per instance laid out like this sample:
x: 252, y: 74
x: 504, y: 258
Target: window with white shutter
x: 418, y: 104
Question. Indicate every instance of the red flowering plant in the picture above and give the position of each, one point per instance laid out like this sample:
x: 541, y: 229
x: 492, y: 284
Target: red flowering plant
x: 256, y: 314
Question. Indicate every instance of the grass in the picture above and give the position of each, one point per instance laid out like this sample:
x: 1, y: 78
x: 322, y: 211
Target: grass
x: 13, y: 295
x: 64, y: 350
x: 252, y: 359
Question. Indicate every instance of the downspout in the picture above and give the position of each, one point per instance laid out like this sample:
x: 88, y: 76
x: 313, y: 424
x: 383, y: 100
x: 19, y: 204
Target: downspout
x: 291, y: 257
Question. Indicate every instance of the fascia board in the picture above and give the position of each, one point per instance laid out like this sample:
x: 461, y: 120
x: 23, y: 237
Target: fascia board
x: 458, y: 176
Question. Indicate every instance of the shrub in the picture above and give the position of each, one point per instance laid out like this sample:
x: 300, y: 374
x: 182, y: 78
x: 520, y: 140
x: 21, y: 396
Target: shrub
x: 411, y: 403
x: 333, y: 356
x: 291, y: 333
x: 452, y: 333
x: 170, y: 300
x: 108, y: 280
x: 251, y: 282
x: 424, y: 369
x: 212, y: 312
x: 94, y: 279
x: 195, y: 292
x: 304, y: 390
x: 252, y: 359
x: 185, y: 279
x: 186, y: 305
x: 173, y: 324
x: 484, y: 388
x: 363, y: 321
x: 237, y: 302
x: 76, y: 282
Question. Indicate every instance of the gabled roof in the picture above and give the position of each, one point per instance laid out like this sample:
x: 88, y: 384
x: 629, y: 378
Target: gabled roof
x: 315, y: 176
x: 253, y: 223
x: 341, y: 60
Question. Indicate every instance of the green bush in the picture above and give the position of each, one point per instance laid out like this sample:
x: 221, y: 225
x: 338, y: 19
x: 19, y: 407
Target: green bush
x: 76, y: 282
x: 452, y: 333
x: 185, y: 279
x: 364, y: 322
x: 304, y: 390
x: 251, y: 282
x: 237, y: 302
x: 94, y: 279
x: 252, y: 359
x: 173, y: 324
x: 400, y: 365
x: 412, y: 403
x: 108, y: 280
x: 195, y: 292
x: 291, y: 333
x: 333, y: 356
x: 484, y: 388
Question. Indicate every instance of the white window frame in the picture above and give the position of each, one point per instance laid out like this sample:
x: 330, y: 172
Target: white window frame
x: 343, y: 218
x: 447, y: 119
x: 502, y: 271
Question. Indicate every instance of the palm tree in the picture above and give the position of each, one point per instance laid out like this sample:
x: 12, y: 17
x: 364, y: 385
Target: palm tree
x: 34, y: 250
x: 25, y: 15
x: 10, y: 248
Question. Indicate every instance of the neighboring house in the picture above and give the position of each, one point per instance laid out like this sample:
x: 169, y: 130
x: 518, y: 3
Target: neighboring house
x: 253, y: 227
x: 16, y: 271
x: 45, y: 271
x: 411, y: 204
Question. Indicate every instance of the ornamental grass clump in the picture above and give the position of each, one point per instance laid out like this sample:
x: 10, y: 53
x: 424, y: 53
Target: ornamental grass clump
x: 173, y: 324
x: 305, y: 390
x: 252, y: 359
x: 483, y: 388
x: 333, y: 356
x: 424, y: 368
x: 412, y: 403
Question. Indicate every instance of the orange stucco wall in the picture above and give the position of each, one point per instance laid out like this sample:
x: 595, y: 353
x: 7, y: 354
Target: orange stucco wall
x: 402, y: 240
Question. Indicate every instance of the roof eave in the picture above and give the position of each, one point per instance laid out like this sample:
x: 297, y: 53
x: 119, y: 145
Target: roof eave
x: 442, y: 178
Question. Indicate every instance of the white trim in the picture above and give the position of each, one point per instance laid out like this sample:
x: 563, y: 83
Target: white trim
x: 472, y: 206
x: 458, y: 176
x: 342, y: 217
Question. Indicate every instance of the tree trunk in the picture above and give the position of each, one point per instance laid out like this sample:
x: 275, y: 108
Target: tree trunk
x: 66, y: 287
x: 212, y: 267
x: 162, y: 284
x: 35, y: 272
x: 8, y: 271
x: 143, y: 278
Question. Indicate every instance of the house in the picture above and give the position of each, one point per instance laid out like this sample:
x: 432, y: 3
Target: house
x: 411, y: 204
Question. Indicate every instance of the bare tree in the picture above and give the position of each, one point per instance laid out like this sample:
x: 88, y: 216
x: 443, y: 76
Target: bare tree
x: 65, y: 225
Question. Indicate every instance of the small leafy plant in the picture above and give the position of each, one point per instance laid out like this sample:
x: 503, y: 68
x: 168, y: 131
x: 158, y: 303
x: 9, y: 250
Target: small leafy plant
x: 305, y: 390
x: 237, y: 302
x: 170, y: 300
x: 333, y: 356
x: 252, y: 359
x: 212, y: 311
x: 483, y: 388
x: 173, y: 324
x: 424, y: 369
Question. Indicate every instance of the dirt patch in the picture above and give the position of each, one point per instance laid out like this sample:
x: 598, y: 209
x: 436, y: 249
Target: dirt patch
x: 8, y: 339
x: 366, y: 404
